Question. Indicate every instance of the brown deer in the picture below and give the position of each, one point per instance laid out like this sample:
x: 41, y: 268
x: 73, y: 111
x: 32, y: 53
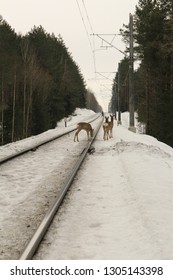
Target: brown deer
x: 85, y: 126
x: 106, y: 128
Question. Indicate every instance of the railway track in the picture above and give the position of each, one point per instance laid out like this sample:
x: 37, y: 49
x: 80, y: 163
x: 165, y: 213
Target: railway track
x: 44, y: 225
x: 33, y: 147
x: 28, y: 213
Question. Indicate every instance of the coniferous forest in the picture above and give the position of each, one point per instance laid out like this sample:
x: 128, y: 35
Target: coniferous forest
x: 40, y: 83
x: 153, y: 79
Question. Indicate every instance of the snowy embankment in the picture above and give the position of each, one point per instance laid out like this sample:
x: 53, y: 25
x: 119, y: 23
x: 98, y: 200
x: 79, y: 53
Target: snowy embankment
x: 15, y: 147
x: 29, y: 183
x: 121, y: 202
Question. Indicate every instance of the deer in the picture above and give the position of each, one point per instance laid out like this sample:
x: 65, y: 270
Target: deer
x: 107, y: 127
x: 85, y: 126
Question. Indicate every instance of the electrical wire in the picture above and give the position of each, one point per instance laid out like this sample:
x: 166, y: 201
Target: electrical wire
x: 87, y: 17
x: 90, y: 25
x: 85, y: 27
x: 88, y: 36
x: 84, y: 23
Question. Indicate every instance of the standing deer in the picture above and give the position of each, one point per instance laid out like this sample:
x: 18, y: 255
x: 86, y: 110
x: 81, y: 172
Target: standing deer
x: 85, y: 126
x: 108, y: 127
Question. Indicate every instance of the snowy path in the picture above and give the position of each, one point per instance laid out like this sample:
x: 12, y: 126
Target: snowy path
x: 119, y: 207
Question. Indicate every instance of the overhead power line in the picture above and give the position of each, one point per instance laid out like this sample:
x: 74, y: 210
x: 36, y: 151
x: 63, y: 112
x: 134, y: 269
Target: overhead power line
x: 107, y: 78
x: 87, y: 16
x: 87, y: 33
x: 109, y: 44
x: 88, y: 26
x: 84, y: 24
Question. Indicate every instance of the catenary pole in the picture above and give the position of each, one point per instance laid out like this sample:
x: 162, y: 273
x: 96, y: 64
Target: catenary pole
x: 131, y: 78
x: 119, y: 107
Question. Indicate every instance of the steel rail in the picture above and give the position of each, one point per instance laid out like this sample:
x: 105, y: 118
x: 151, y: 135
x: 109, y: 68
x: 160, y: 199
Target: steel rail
x: 33, y: 244
x: 26, y: 150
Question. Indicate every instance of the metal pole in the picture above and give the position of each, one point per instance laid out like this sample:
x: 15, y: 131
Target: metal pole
x: 115, y: 102
x: 119, y: 111
x: 131, y: 79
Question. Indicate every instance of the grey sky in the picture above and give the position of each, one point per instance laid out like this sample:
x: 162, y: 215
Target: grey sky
x: 75, y: 20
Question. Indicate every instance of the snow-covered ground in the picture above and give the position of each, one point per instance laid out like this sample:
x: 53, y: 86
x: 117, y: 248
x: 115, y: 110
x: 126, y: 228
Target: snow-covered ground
x: 120, y: 207
x: 29, y: 183
x: 15, y: 147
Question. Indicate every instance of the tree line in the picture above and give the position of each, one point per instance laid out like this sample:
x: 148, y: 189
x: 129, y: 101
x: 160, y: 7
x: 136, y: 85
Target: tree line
x: 40, y: 83
x: 153, y: 80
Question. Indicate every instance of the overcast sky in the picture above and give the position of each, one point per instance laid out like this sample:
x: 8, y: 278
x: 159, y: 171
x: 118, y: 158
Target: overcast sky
x: 75, y: 21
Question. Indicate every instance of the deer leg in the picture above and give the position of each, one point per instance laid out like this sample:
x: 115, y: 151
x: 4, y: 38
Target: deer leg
x: 77, y: 132
x: 76, y: 136
x: 107, y: 135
